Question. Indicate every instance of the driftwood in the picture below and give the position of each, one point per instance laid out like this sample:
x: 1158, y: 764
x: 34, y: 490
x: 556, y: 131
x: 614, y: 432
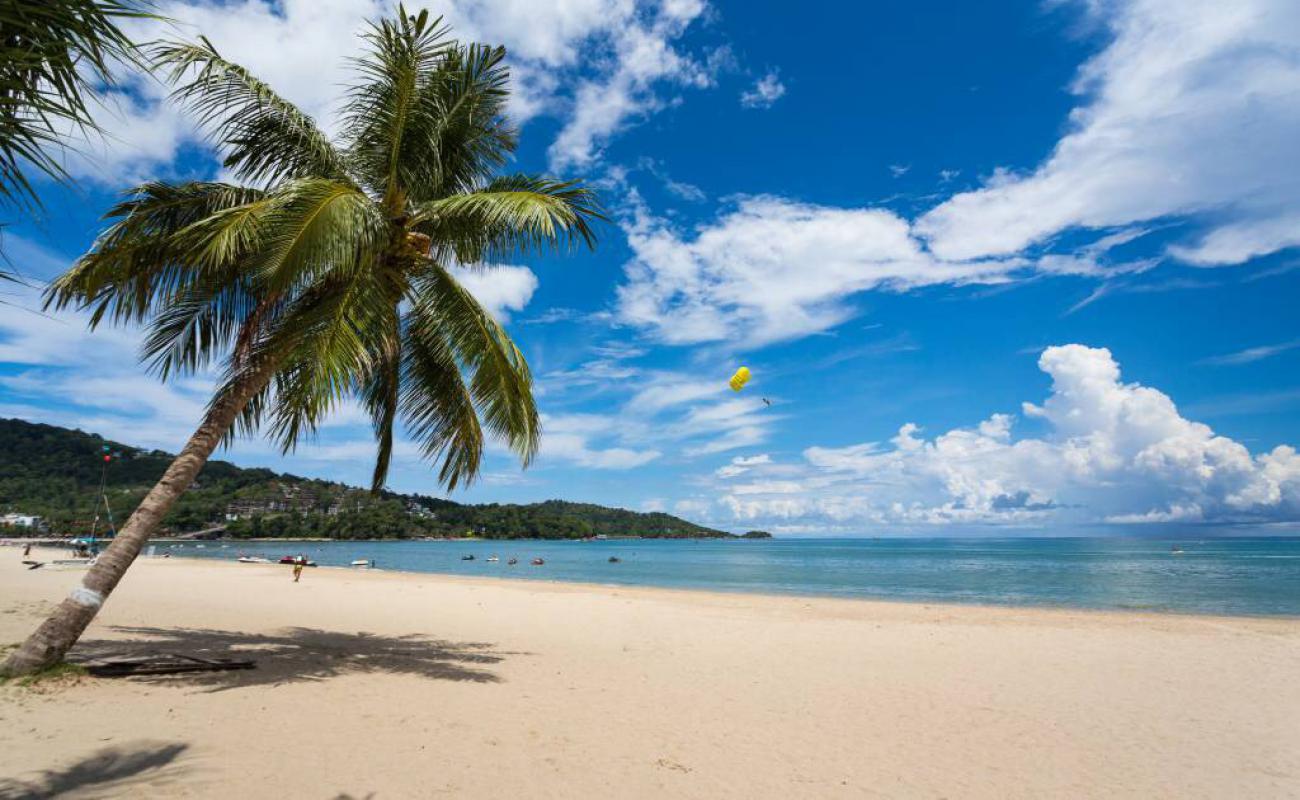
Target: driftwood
x: 163, y: 664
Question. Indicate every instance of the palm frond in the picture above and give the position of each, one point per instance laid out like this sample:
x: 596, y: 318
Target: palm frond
x: 379, y: 392
x: 462, y: 133
x: 318, y: 226
x: 511, y: 215
x: 499, y: 380
x: 324, y: 345
x: 143, y: 261
x: 266, y: 138
x: 437, y: 407
x: 384, y: 107
x: 52, y: 56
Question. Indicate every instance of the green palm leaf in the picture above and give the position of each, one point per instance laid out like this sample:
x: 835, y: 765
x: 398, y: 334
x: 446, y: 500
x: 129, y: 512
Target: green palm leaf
x: 52, y: 56
x: 266, y: 138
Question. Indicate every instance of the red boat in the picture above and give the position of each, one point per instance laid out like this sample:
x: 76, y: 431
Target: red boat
x: 294, y: 560
x: 537, y: 562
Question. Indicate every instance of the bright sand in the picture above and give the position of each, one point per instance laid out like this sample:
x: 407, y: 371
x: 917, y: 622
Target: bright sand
x: 391, y: 685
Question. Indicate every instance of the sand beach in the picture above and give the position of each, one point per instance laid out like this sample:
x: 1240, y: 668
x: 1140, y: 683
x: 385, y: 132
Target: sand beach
x: 391, y: 685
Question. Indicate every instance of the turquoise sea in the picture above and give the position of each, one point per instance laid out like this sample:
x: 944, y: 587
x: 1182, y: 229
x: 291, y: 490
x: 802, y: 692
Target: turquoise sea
x: 1258, y: 576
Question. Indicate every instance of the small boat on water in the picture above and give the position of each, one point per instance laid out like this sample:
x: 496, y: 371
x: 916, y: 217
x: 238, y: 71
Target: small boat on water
x: 253, y: 560
x: 467, y: 558
x: 537, y: 562
x: 614, y: 559
x: 513, y: 561
x: 1176, y: 551
x: 363, y: 562
x: 306, y: 562
x: 492, y: 558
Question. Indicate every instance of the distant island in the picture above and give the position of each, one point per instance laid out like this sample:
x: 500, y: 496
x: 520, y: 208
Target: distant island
x: 49, y: 477
x: 756, y: 535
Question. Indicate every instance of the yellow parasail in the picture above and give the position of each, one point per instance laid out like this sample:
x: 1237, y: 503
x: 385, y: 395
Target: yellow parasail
x: 739, y: 380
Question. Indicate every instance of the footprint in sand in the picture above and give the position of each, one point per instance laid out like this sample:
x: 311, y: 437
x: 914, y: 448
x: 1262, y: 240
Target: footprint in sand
x: 667, y: 763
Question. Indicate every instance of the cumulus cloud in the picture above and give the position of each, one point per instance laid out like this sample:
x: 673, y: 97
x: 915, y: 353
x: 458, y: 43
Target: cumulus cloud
x: 1113, y: 452
x: 499, y: 289
x: 773, y: 269
x: 1189, y: 111
x: 766, y: 91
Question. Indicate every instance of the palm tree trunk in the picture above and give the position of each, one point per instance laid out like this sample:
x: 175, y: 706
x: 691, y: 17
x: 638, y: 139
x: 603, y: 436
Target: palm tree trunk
x: 51, y: 642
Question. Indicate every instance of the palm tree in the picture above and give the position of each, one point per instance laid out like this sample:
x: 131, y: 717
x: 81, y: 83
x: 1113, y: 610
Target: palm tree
x: 326, y: 274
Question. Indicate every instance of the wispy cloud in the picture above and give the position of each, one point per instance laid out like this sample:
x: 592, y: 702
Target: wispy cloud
x: 1189, y: 112
x: 1251, y: 354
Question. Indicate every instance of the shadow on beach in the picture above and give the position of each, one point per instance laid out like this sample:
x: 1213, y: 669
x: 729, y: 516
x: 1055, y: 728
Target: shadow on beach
x: 295, y: 654
x: 114, y: 769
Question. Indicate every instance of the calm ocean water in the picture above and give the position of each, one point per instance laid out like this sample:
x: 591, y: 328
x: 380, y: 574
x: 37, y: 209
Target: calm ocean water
x: 1212, y: 576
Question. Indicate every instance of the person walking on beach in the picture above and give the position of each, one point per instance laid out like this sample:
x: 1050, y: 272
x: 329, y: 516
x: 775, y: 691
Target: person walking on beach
x: 297, y: 567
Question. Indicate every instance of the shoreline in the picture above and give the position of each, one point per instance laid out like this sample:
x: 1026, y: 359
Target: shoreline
x: 1155, y: 613
x: 485, y: 686
x: 561, y: 584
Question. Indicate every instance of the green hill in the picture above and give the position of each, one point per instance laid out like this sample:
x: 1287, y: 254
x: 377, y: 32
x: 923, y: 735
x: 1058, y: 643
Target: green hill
x: 54, y: 473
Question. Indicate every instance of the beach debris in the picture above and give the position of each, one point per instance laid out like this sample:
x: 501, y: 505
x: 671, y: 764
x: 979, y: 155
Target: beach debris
x: 739, y: 380
x: 162, y: 664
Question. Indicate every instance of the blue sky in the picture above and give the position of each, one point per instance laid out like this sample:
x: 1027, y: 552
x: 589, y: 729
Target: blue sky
x: 1006, y: 268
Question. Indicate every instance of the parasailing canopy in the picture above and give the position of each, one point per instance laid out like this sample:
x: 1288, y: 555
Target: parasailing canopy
x: 739, y: 380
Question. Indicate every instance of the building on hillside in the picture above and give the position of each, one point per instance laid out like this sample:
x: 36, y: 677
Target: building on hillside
x: 291, y: 498
x: 23, y: 521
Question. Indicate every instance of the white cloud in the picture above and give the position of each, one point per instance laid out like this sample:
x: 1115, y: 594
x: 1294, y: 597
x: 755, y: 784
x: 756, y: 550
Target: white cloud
x: 298, y: 46
x: 91, y: 381
x: 655, y: 412
x: 570, y: 437
x: 1251, y: 354
x: 301, y: 48
x: 773, y: 269
x: 1113, y: 452
x: 644, y: 56
x: 766, y: 91
x: 741, y: 464
x: 1190, y: 110
x: 499, y: 289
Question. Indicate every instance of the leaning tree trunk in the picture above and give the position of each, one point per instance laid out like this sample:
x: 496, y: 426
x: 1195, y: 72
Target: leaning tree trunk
x: 51, y: 642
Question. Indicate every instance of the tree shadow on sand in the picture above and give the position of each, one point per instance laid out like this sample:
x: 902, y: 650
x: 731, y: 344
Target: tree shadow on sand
x: 113, y: 769
x: 296, y: 654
